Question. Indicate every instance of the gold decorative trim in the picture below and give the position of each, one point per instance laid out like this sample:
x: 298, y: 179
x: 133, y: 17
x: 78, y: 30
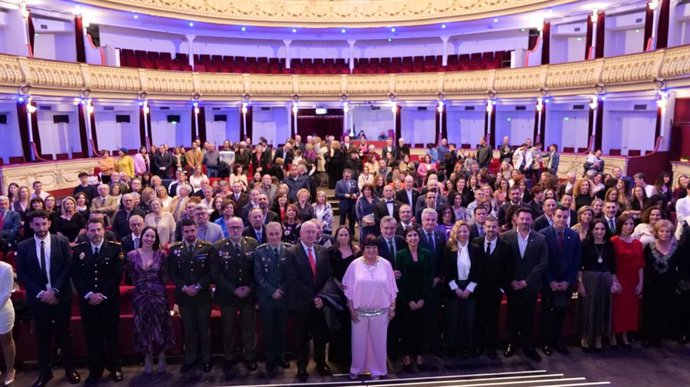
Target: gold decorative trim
x: 327, y: 13
x: 637, y: 72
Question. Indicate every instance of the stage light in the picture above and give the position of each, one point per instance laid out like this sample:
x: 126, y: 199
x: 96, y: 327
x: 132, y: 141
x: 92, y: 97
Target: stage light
x: 443, y: 26
x: 294, y: 30
x: 653, y: 4
x: 389, y: 40
x: 342, y: 31
x: 295, y: 108
x: 440, y: 106
x: 244, y: 108
x: 243, y: 28
x: 191, y: 24
x: 595, y: 103
x: 495, y: 20
x: 76, y: 101
x: 392, y: 29
x: 346, y: 107
x: 540, y: 104
x: 135, y: 16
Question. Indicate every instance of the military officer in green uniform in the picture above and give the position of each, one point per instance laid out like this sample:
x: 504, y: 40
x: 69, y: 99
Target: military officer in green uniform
x: 189, y: 268
x: 271, y: 289
x: 233, y: 273
x: 96, y: 274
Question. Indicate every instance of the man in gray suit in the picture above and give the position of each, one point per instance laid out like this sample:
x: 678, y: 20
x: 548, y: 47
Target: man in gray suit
x: 271, y: 287
x: 530, y: 255
x: 207, y: 231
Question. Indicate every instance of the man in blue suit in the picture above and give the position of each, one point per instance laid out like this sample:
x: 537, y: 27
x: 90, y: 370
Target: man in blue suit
x: 561, y: 272
x: 10, y: 221
x: 346, y: 191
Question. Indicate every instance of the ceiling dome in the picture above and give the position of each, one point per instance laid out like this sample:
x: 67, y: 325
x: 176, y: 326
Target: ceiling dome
x: 328, y: 13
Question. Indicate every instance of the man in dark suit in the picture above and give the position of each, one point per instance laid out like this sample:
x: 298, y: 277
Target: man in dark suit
x: 401, y: 150
x: 121, y: 220
x: 253, y: 203
x: 85, y: 187
x: 388, y: 148
x: 484, y: 154
x: 388, y: 206
x: 189, y: 268
x: 240, y: 198
x: 408, y: 195
x: 321, y: 238
x: 434, y: 241
x: 567, y: 202
x: 96, y: 273
x: 431, y: 201
x: 389, y: 242
x: 546, y: 219
x: 256, y: 229
x: 561, y: 273
x: 308, y: 271
x: 10, y: 221
x: 406, y: 219
x: 515, y: 199
x: 271, y: 294
x: 529, y: 254
x: 163, y: 161
x: 506, y: 151
x: 267, y: 215
x: 346, y: 191
x: 493, y: 256
x: 479, y: 218
x: 233, y: 274
x: 537, y: 202
x: 43, y: 268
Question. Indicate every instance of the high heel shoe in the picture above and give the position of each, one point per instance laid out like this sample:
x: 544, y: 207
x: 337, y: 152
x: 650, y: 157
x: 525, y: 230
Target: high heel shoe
x: 9, y: 381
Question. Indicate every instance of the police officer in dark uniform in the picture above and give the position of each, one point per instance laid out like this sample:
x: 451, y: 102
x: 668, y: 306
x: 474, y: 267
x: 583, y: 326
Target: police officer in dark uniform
x: 189, y: 268
x: 271, y: 288
x: 96, y: 273
x: 233, y: 274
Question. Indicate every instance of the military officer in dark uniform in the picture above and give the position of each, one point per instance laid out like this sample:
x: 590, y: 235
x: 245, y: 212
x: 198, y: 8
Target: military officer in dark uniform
x: 233, y: 274
x: 96, y: 274
x: 271, y: 288
x: 189, y: 268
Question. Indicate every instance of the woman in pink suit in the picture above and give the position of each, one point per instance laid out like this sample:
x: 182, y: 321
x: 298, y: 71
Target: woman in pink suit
x: 370, y: 290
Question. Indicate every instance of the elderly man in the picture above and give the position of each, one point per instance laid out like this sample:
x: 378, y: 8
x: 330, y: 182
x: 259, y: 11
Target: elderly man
x: 177, y: 205
x: 207, y: 231
x: 255, y: 229
x: 121, y: 220
x: 104, y: 203
x: 268, y: 188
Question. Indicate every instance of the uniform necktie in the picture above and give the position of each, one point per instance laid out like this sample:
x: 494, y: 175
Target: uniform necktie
x: 44, y: 269
x: 488, y: 248
x: 258, y: 236
x: 95, y: 252
x: 312, y: 261
x: 275, y: 251
x: 480, y: 230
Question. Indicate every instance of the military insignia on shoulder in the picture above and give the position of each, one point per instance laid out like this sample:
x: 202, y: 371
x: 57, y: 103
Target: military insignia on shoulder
x: 82, y: 255
x: 79, y: 244
x: 115, y: 243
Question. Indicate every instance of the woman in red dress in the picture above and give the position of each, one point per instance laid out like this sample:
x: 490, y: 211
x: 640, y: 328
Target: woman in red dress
x: 629, y: 262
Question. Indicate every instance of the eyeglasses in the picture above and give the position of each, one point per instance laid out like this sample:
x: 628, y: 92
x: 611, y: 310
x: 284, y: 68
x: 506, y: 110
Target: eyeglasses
x: 235, y: 227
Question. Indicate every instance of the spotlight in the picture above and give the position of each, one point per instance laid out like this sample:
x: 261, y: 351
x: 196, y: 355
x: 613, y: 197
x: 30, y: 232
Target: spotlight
x: 392, y: 29
x: 343, y: 31
x: 443, y: 26
x: 243, y: 28
x: 135, y: 16
x: 191, y: 24
x: 294, y: 30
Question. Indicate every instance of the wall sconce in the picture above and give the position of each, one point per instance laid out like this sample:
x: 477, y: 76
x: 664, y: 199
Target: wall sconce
x: 295, y: 108
x: 595, y: 103
x: 23, y: 9
x: 663, y: 98
x: 490, y: 105
x: 89, y: 107
x: 440, y: 107
x: 394, y: 108
x: 540, y: 104
x: 245, y: 108
x: 653, y: 4
x: 346, y: 107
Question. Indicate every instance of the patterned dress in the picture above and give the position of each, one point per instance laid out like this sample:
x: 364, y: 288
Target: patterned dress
x: 153, y: 331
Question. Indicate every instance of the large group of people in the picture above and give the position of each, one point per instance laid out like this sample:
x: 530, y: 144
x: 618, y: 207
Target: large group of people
x: 418, y: 262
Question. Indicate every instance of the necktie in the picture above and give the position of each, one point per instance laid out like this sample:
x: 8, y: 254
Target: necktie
x: 480, y: 230
x: 95, y: 252
x: 275, y: 251
x: 391, y: 249
x: 312, y: 261
x: 136, y: 243
x: 612, y: 225
x: 237, y: 247
x: 488, y: 248
x: 430, y: 241
x: 44, y: 269
x: 258, y: 236
x: 560, y: 240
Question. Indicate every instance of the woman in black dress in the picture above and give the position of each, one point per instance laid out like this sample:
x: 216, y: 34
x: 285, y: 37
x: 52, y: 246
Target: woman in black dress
x: 69, y: 223
x: 335, y: 164
x: 341, y: 255
x: 291, y: 225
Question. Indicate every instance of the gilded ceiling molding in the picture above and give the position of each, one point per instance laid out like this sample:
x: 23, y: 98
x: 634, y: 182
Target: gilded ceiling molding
x: 636, y: 72
x: 327, y: 13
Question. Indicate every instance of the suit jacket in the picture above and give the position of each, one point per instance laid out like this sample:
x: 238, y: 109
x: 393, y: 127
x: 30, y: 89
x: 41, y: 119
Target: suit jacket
x: 381, y: 210
x: 193, y: 158
x: 108, y: 236
x: 326, y: 240
x: 245, y: 212
x: 303, y: 285
x: 436, y: 250
x: 251, y: 233
x: 401, y: 196
x: 29, y: 270
x: 191, y: 268
x: 177, y: 206
x: 439, y: 210
x: 234, y: 268
x: 563, y: 264
x: 107, y: 207
x: 450, y: 268
x: 384, y: 251
x: 239, y: 202
x: 271, y: 216
x: 128, y: 243
x: 540, y: 223
x: 98, y: 274
x: 343, y: 188
x: 121, y: 221
x: 270, y: 275
x: 213, y: 233
x: 495, y: 268
x: 530, y: 267
x: 10, y: 227
x: 503, y: 211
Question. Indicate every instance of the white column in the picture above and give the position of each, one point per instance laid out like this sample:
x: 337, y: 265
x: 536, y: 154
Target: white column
x: 351, y: 63
x: 87, y: 110
x: 595, y: 15
x: 346, y: 117
x: 29, y: 110
x: 654, y: 6
x: 190, y: 49
x: 196, y: 119
x: 147, y: 111
x: 295, y: 109
x: 444, y: 39
x: 288, y: 58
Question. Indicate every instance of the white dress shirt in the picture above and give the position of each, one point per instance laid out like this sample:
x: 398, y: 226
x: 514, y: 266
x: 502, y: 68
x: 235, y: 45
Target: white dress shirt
x: 522, y: 243
x: 463, y: 265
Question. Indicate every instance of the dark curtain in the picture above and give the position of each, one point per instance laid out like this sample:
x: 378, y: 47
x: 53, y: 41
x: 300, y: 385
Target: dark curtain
x: 202, y: 124
x: 79, y: 37
x: 32, y: 33
x: 142, y: 127
x: 398, y: 123
x: 648, y: 27
x: 546, y: 43
x: 542, y: 136
x: 601, y: 35
x: 492, y: 118
x: 486, y: 125
x: 657, y: 130
x: 444, y: 123
x: 23, y: 130
x: 590, y: 125
x: 242, y: 128
x: 600, y: 126
x: 311, y: 124
x: 662, y: 28
x: 292, y: 123
x: 34, y: 130
x: 249, y: 130
x: 193, y: 126
x: 82, y: 130
x: 94, y: 137
x: 588, y: 38
x: 535, y: 130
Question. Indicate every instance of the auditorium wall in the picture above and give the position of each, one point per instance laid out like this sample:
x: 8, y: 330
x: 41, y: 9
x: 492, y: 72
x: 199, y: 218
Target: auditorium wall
x: 141, y: 40
x: 465, y: 126
x: 171, y: 133
x: 624, y: 33
x: 566, y: 127
x: 373, y: 122
x: 113, y: 135
x: 418, y: 126
x: 218, y: 130
x: 60, y: 137
x: 628, y: 128
x: 273, y: 124
x: 54, y: 39
x: 517, y: 124
x: 9, y: 133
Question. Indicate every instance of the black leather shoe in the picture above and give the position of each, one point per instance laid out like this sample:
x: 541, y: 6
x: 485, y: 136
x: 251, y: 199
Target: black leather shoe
x: 560, y: 348
x: 43, y: 378
x: 324, y: 370
x: 302, y: 375
x: 72, y: 376
x: 91, y: 380
x: 186, y: 367
x: 547, y: 350
x: 228, y: 365
x: 207, y: 367
x: 284, y: 364
x: 509, y: 351
x: 251, y: 365
x: 270, y: 366
x: 117, y: 375
x: 532, y: 354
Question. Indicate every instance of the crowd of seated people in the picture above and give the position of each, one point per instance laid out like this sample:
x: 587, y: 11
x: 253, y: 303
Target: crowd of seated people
x: 418, y: 262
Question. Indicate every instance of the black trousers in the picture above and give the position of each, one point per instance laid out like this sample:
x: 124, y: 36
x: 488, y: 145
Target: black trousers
x: 231, y: 346
x: 460, y: 318
x: 310, y: 322
x: 196, y: 322
x: 348, y: 212
x: 521, y: 305
x: 488, y: 308
x: 414, y: 323
x: 554, y: 307
x: 657, y: 301
x: 52, y: 322
x: 274, y: 322
x: 101, y: 323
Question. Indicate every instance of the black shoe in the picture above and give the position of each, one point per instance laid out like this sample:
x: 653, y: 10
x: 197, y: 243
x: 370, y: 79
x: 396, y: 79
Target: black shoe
x: 72, y: 376
x: 532, y: 354
x: 509, y: 351
x: 302, y: 375
x: 284, y: 364
x: 324, y: 370
x: 207, y: 367
x: 186, y: 367
x: 43, y: 378
x: 116, y: 375
x: 251, y: 365
x: 560, y: 348
x: 270, y: 366
x: 228, y: 365
x: 547, y: 350
x: 491, y: 354
x: 92, y: 379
